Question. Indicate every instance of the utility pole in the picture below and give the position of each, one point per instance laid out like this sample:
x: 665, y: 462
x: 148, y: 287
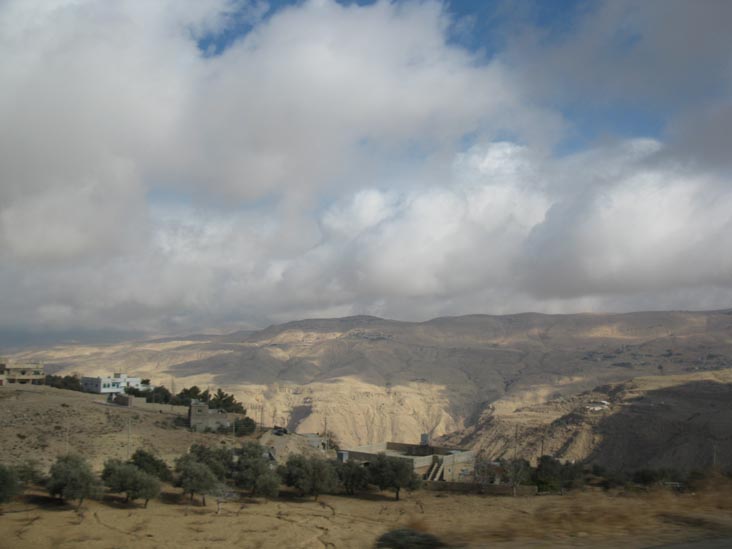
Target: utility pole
x: 325, y: 432
x: 543, y: 435
x: 261, y: 418
x: 129, y: 429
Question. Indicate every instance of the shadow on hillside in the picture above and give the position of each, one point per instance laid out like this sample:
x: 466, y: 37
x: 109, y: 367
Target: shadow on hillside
x: 686, y: 426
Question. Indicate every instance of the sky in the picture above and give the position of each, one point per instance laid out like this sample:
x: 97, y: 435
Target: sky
x: 196, y: 165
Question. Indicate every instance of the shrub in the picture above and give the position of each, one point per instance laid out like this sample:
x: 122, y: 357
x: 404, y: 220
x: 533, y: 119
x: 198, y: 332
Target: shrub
x: 245, y: 426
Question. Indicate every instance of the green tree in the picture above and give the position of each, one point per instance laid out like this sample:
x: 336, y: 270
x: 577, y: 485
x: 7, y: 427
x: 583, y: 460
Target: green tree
x: 518, y: 472
x: 390, y: 473
x: 197, y: 478
x: 252, y: 471
x: 219, y: 460
x: 553, y: 475
x: 9, y: 484
x: 70, y: 383
x: 311, y: 476
x: 125, y: 478
x: 29, y: 472
x: 223, y: 401
x: 352, y: 476
x: 160, y: 395
x: 151, y: 464
x: 71, y: 477
x: 548, y: 474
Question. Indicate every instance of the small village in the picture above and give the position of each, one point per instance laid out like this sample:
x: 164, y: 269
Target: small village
x: 436, y: 468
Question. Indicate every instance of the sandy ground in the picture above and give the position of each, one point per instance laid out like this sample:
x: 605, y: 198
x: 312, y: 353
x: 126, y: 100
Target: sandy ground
x: 41, y: 423
x: 585, y: 519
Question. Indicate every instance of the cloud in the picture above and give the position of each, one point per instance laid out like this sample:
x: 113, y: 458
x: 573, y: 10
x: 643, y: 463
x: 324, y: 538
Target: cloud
x: 348, y: 159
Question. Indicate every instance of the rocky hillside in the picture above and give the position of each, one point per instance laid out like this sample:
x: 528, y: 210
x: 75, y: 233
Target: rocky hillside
x: 373, y: 379
x: 676, y: 421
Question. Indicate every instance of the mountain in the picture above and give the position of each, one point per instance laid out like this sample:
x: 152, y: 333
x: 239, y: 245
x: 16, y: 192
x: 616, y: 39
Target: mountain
x: 373, y: 379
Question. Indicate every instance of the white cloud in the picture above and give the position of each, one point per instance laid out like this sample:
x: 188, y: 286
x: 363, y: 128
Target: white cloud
x: 318, y: 166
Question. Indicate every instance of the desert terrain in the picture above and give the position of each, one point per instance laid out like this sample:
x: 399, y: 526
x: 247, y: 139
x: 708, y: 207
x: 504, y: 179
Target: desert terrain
x: 473, y: 378
x: 584, y: 519
x: 41, y: 423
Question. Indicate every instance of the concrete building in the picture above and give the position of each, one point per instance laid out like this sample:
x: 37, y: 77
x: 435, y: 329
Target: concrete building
x: 430, y: 462
x: 201, y: 417
x: 21, y: 372
x: 111, y: 385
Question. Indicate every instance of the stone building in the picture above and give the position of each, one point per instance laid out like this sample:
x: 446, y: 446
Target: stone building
x: 21, y: 372
x: 201, y: 417
x: 429, y: 462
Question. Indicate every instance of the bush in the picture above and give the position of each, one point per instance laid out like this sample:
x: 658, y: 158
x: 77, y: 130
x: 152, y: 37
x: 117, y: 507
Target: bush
x: 9, y: 484
x: 152, y: 465
x: 406, y: 538
x: 71, y: 478
x: 245, y: 426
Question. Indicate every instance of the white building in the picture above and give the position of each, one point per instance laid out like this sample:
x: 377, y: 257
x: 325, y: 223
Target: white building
x: 115, y: 384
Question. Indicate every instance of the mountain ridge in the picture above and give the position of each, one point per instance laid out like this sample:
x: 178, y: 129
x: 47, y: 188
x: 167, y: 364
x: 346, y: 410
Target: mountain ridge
x: 376, y: 379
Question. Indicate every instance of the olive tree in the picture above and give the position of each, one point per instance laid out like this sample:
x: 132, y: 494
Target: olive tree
x: 311, y: 476
x: 9, y: 484
x: 391, y: 473
x: 126, y: 478
x: 196, y: 478
x: 151, y: 464
x: 352, y: 476
x: 71, y: 477
x: 252, y: 471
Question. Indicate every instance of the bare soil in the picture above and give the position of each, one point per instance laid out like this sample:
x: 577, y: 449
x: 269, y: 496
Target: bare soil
x: 596, y: 519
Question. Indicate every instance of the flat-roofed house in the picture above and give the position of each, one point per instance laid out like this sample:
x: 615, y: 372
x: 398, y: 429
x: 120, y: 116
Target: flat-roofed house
x: 21, y: 372
x: 110, y: 385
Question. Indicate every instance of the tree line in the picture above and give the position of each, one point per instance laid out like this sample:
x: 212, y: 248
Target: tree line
x: 217, y: 400
x: 204, y: 471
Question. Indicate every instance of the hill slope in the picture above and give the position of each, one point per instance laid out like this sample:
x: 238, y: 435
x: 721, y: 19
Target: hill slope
x: 376, y: 379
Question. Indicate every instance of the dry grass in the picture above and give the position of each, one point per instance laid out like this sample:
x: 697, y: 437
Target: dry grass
x: 589, y: 518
